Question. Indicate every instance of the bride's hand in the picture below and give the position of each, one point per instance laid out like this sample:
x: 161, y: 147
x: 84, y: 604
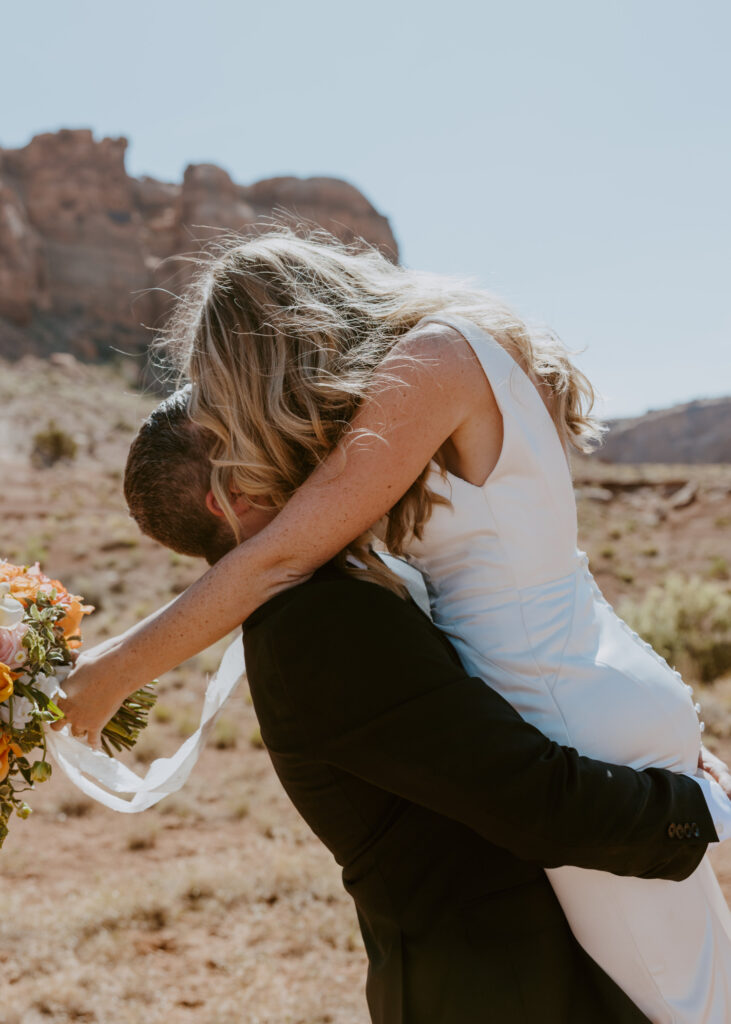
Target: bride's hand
x: 716, y: 768
x: 93, y: 695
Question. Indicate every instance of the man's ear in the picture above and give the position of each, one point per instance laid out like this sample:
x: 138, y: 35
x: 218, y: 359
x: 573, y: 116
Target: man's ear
x: 213, y: 507
x: 239, y: 504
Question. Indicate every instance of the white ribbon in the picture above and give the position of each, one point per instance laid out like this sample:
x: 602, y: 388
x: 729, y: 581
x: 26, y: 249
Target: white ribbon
x: 413, y: 579
x: 90, y: 770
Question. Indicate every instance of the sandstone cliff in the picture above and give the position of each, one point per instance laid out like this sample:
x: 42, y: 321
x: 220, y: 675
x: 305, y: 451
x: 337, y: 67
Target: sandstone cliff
x: 692, y: 433
x: 82, y: 242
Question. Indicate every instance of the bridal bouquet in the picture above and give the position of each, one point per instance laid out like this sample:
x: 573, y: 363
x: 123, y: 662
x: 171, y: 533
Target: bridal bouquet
x: 40, y: 631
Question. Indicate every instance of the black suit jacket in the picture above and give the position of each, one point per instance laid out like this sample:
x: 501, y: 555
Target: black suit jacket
x: 442, y: 805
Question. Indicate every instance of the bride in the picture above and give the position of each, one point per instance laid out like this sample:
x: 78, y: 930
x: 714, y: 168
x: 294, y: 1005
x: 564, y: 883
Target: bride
x: 425, y: 406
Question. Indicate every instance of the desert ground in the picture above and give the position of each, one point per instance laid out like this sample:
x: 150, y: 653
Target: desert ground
x: 218, y: 905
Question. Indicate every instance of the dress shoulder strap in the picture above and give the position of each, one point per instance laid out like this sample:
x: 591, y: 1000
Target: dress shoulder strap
x: 497, y: 363
x: 527, y: 423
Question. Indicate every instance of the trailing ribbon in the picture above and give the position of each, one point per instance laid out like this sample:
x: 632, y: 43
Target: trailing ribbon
x: 90, y: 769
x: 105, y: 779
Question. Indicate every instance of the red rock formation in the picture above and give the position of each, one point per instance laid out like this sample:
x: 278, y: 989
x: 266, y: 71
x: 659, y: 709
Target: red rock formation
x: 695, y: 432
x: 82, y: 242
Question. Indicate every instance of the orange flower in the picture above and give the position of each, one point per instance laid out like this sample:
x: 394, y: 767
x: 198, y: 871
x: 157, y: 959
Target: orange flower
x: 62, y: 594
x: 6, y: 748
x: 71, y: 622
x: 25, y: 588
x: 26, y: 584
x: 6, y: 682
x: 8, y: 571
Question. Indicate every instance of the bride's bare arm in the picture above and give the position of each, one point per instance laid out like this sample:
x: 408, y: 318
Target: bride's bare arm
x: 432, y: 384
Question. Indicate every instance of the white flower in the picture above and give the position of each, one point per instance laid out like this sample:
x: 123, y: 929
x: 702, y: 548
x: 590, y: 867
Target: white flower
x: 22, y: 711
x: 51, y: 685
x: 11, y: 611
x: 22, y: 707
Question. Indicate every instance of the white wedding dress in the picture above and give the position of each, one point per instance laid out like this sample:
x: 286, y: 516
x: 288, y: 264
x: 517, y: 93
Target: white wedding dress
x: 509, y: 587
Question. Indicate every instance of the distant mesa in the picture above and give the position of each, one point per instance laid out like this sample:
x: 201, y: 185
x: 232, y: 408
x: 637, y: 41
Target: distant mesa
x: 82, y: 243
x: 692, y: 433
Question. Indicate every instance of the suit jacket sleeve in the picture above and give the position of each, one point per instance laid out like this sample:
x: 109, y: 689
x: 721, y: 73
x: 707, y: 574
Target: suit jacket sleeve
x: 378, y: 693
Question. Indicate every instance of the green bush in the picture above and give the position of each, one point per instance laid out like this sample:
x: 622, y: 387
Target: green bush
x: 51, y: 445
x: 688, y: 622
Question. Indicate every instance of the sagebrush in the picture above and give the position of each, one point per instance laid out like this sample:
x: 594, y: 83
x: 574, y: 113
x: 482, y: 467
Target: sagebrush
x: 688, y: 621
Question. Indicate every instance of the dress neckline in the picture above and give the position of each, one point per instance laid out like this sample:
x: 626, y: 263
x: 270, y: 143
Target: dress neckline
x: 476, y: 336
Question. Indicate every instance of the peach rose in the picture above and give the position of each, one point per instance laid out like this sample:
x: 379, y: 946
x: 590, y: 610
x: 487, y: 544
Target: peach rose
x: 24, y: 588
x: 8, y: 571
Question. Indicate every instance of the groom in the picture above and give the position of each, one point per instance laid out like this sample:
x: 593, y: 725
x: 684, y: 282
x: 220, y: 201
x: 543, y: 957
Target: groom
x: 439, y: 802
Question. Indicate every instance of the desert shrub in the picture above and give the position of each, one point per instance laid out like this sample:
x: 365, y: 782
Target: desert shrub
x: 34, y: 550
x: 162, y: 713
x: 225, y: 733
x: 718, y: 569
x: 142, y: 838
x: 255, y: 739
x: 51, y: 445
x: 688, y: 622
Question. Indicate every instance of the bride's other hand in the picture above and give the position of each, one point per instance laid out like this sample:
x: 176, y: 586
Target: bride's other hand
x: 716, y: 768
x: 93, y: 695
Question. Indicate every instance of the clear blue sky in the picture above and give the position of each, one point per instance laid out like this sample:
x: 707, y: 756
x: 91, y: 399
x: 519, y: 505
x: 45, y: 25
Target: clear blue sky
x: 573, y: 155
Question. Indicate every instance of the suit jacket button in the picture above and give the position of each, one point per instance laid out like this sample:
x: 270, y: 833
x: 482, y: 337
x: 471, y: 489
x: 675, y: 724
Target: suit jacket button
x: 696, y: 830
x: 671, y: 831
x: 688, y: 830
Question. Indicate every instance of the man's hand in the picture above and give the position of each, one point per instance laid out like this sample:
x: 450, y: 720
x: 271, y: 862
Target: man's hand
x: 716, y: 768
x: 91, y: 697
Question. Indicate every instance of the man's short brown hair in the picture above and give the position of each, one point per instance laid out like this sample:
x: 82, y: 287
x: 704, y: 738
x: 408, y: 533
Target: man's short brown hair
x: 166, y: 480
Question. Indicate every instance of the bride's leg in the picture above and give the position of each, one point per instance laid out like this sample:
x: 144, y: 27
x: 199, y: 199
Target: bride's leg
x: 666, y: 944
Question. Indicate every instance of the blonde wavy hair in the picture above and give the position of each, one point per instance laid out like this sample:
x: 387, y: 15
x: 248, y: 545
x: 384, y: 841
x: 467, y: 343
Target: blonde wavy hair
x: 280, y: 335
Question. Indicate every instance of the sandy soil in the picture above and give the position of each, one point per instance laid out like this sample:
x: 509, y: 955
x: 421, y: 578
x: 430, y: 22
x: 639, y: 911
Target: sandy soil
x: 219, y: 905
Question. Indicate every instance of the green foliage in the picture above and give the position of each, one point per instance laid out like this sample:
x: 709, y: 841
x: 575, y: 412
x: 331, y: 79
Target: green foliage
x: 688, y: 622
x: 51, y: 445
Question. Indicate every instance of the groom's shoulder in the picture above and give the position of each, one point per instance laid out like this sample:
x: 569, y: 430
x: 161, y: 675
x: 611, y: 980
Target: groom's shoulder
x: 337, y: 618
x: 331, y: 594
x: 338, y: 648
